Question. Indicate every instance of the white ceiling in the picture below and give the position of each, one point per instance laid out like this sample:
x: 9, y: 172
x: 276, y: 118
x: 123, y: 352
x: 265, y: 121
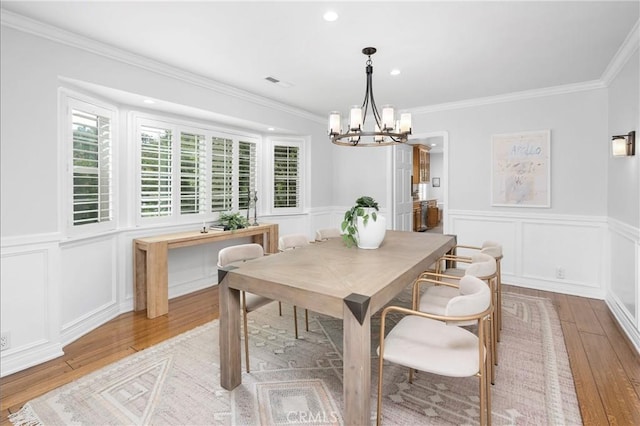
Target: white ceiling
x: 446, y: 51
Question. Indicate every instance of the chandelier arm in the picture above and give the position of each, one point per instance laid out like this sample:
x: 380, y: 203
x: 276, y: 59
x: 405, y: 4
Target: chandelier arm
x: 395, y: 139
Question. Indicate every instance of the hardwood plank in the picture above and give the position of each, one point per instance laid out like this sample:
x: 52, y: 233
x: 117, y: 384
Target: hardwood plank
x: 584, y: 316
x: 586, y: 388
x: 561, y: 303
x: 618, y: 397
x: 4, y: 421
x: 628, y: 357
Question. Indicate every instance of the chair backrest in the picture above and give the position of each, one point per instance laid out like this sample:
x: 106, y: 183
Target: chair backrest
x: 326, y: 233
x: 482, y: 266
x: 292, y: 241
x: 239, y: 253
x: 492, y: 249
x: 475, y: 297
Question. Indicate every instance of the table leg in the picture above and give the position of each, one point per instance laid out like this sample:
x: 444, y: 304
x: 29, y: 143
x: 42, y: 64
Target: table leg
x: 357, y: 366
x: 230, y: 360
x: 139, y: 278
x: 157, y: 281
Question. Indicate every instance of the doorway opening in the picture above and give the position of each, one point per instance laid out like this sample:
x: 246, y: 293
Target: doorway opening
x: 429, y: 193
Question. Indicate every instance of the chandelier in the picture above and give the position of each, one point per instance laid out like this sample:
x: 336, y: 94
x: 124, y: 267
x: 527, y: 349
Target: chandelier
x: 387, y: 130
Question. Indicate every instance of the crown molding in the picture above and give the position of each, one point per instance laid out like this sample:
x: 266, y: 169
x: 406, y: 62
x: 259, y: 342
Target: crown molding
x: 24, y: 24
x: 622, y: 56
x: 515, y: 96
x: 50, y: 32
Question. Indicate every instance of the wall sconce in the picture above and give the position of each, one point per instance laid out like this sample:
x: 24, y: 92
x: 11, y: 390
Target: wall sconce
x: 623, y: 145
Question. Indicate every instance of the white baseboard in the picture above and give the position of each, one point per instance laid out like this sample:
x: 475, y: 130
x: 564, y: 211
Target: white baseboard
x: 36, y: 353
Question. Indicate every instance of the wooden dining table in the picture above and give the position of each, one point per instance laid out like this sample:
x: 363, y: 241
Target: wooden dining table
x: 329, y: 278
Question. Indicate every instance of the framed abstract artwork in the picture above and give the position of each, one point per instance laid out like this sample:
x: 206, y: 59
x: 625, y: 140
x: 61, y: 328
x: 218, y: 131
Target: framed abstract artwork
x: 521, y: 169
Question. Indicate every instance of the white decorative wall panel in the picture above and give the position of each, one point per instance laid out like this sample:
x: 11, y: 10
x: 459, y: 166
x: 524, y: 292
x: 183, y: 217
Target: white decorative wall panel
x: 474, y: 230
x: 559, y: 253
x: 29, y: 305
x: 566, y: 251
x: 88, y: 285
x: 623, y: 292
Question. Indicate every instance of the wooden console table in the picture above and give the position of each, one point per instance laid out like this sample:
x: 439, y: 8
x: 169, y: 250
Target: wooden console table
x: 150, y: 255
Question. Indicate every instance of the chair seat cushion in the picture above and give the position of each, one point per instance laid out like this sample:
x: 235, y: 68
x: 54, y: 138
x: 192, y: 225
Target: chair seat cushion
x: 432, y: 346
x: 255, y: 302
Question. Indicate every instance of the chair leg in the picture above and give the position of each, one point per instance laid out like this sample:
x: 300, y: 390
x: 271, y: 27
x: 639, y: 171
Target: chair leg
x: 280, y: 308
x: 295, y: 320
x: 487, y: 385
x: 379, y: 408
x: 499, y: 305
x: 306, y: 319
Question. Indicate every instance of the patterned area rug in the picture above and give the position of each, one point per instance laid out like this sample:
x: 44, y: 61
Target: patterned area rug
x: 300, y: 381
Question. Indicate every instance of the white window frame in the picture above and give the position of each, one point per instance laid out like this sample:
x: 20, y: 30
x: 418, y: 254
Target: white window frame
x: 178, y: 127
x: 301, y: 144
x: 69, y: 101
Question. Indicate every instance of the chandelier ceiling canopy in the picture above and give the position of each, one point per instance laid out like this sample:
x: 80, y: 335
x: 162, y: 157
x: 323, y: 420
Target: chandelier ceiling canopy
x: 387, y: 130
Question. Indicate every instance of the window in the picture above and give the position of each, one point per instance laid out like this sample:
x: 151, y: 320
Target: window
x: 287, y: 176
x: 221, y: 174
x: 246, y: 172
x: 91, y: 163
x: 192, y: 174
x: 187, y: 171
x: 156, y: 171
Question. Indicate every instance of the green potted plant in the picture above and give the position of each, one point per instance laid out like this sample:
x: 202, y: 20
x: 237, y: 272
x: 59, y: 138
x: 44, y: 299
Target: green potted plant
x: 233, y: 221
x: 356, y: 222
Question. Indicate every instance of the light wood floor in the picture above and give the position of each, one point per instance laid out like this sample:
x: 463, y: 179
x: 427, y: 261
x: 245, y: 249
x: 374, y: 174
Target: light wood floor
x: 606, y: 369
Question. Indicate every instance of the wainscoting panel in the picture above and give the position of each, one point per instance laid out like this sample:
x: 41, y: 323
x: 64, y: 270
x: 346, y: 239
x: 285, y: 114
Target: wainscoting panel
x: 29, y: 304
x: 623, y: 292
x: 561, y: 253
x: 474, y: 230
x: 88, y: 285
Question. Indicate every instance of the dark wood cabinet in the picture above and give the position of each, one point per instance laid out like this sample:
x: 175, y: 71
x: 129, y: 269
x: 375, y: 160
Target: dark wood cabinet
x: 421, y: 167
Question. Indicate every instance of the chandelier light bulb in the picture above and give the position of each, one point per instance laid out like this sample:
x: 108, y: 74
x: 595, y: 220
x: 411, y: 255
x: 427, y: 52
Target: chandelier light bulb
x: 355, y: 118
x: 334, y: 123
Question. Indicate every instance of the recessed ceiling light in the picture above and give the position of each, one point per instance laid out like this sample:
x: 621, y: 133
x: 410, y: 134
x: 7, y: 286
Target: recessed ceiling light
x: 330, y: 16
x: 395, y: 71
x: 271, y: 129
x: 434, y: 144
x: 149, y: 101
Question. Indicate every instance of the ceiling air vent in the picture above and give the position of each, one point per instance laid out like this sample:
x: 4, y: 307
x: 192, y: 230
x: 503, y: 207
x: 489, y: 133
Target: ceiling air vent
x: 278, y: 82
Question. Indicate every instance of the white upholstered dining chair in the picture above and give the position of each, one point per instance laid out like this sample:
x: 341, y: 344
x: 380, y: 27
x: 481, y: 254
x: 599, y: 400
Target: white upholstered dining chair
x: 435, y: 343
x: 494, y: 249
x: 326, y: 233
x: 436, y: 297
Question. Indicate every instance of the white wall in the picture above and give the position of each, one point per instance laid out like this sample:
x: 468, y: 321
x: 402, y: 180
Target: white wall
x: 623, y: 202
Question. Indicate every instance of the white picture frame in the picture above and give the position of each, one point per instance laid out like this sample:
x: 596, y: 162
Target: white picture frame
x: 521, y: 169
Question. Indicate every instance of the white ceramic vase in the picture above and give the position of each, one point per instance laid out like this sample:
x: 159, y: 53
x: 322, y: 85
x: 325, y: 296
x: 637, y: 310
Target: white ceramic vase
x: 370, y: 236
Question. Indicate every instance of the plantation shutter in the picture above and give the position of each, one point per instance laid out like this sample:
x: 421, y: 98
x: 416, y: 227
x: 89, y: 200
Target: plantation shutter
x: 192, y: 174
x: 92, y: 172
x: 246, y: 172
x: 156, y: 171
x: 221, y: 174
x: 286, y: 176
